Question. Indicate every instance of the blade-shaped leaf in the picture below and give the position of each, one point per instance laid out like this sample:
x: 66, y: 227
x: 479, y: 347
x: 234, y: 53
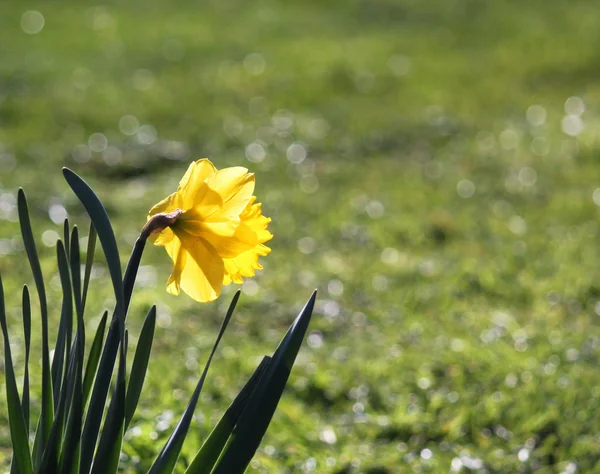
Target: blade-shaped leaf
x: 18, y: 429
x: 212, y: 447
x: 140, y: 365
x: 52, y: 451
x: 257, y: 415
x: 89, y: 261
x: 132, y: 268
x: 66, y: 234
x: 75, y: 262
x: 94, y: 358
x: 101, y: 222
x: 107, y: 456
x: 95, y: 410
x: 106, y: 235
x: 69, y: 462
x: 165, y: 462
x: 26, y: 305
x: 65, y: 327
x: 47, y: 408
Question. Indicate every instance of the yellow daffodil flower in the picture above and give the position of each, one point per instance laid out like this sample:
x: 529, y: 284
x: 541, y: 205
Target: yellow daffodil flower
x: 212, y: 229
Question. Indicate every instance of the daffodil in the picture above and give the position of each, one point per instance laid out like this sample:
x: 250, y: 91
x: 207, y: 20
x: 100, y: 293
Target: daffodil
x: 212, y: 229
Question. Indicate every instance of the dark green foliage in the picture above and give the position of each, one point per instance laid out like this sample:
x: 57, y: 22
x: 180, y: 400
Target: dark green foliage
x: 261, y: 405
x: 139, y: 366
x: 47, y: 411
x: 18, y: 428
x: 212, y: 447
x: 165, y: 462
x: 74, y: 437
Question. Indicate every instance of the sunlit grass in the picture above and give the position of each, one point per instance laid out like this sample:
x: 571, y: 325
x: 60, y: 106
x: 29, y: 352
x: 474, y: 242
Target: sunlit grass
x: 450, y: 330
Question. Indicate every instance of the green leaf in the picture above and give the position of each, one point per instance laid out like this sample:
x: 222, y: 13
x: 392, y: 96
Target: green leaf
x: 47, y: 406
x: 257, y: 414
x: 105, y: 368
x: 65, y: 327
x: 52, y: 451
x: 26, y: 304
x: 107, y: 456
x: 133, y: 265
x: 212, y: 447
x: 69, y: 462
x: 75, y: 262
x: 89, y: 262
x: 116, y: 332
x: 94, y: 358
x: 101, y: 222
x: 16, y: 420
x: 140, y: 365
x: 66, y: 234
x: 165, y: 462
x: 95, y: 409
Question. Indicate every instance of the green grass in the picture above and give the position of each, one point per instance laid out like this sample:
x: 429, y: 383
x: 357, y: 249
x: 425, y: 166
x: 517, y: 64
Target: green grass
x: 466, y: 326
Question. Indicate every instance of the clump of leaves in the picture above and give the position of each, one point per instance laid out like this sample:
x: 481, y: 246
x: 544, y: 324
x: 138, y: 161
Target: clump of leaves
x: 76, y: 431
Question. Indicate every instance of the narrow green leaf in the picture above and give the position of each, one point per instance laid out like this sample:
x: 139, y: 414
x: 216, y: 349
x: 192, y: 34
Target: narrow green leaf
x: 140, y: 365
x: 75, y: 262
x: 107, y: 456
x: 132, y: 268
x: 47, y: 406
x: 99, y: 394
x: 213, y: 445
x: 165, y: 462
x: 101, y: 222
x: 109, y: 352
x: 26, y: 305
x: 116, y: 334
x: 68, y: 463
x: 95, y: 409
x: 66, y: 234
x: 53, y: 449
x: 89, y: 262
x: 94, y: 358
x: 16, y: 420
x: 255, y: 419
x: 65, y: 327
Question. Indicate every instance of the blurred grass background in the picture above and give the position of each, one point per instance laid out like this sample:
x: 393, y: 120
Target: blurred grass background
x: 431, y: 167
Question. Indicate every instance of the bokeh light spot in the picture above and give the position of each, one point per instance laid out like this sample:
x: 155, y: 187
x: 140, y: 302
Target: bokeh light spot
x: 465, y: 188
x: 32, y: 22
x: 254, y: 63
x: 536, y: 115
x: 129, y: 125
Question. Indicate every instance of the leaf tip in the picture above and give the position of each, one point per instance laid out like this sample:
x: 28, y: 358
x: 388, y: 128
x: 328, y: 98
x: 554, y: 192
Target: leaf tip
x: 68, y: 173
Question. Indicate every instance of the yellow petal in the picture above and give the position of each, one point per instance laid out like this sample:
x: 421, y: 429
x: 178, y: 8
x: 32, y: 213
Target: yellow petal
x: 235, y: 187
x: 244, y: 264
x: 163, y: 237
x: 192, y: 186
x: 170, y: 203
x: 194, y: 221
x: 243, y: 239
x: 253, y: 218
x: 179, y: 257
x: 202, y: 274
